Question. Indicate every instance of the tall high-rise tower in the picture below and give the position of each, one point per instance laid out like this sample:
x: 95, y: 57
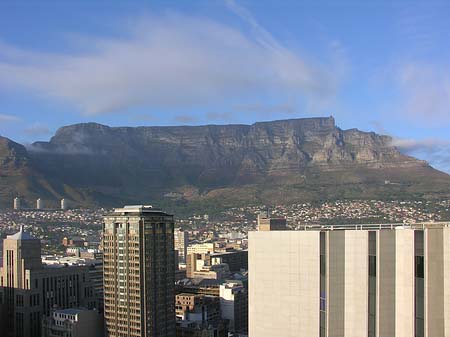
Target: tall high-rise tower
x: 22, y: 252
x: 139, y: 272
x: 181, y: 244
x: 30, y: 290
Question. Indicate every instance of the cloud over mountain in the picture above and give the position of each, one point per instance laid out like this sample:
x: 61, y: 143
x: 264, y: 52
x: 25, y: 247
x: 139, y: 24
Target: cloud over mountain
x: 5, y: 118
x: 425, y: 90
x: 436, y: 151
x: 169, y: 61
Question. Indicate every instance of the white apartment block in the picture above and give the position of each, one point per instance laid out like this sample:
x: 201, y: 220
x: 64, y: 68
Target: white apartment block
x: 201, y: 248
x: 350, y: 281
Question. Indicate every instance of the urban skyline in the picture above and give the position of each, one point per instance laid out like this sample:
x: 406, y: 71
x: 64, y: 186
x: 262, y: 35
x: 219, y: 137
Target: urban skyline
x: 299, y: 273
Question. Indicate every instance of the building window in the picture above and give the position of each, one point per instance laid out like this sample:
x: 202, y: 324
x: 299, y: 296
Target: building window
x: 372, y: 300
x: 419, y: 288
x: 19, y: 300
x: 323, y: 290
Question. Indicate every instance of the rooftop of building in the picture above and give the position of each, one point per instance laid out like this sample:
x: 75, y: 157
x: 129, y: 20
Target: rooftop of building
x: 230, y: 252
x: 232, y: 284
x: 267, y: 215
x: 61, y: 261
x: 392, y: 226
x: 21, y: 235
x: 138, y: 210
x: 186, y: 294
x: 200, y: 282
x: 70, y: 311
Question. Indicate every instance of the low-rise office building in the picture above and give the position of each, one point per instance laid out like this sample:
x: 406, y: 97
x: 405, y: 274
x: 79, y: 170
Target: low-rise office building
x: 199, y: 315
x: 200, y: 266
x: 234, y: 305
x: 236, y: 260
x: 73, y: 323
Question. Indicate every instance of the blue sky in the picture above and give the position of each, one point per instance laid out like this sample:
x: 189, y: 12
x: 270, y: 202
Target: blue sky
x: 379, y: 66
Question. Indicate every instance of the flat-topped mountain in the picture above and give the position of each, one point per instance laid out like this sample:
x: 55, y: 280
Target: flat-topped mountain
x: 220, y: 165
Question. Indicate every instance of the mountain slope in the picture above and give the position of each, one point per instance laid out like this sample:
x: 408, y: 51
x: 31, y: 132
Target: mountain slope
x: 222, y: 165
x: 17, y: 175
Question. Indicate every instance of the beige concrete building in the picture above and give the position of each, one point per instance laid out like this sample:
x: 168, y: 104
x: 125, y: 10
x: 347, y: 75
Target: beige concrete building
x: 139, y: 273
x: 29, y: 290
x: 200, y: 266
x: 268, y: 223
x: 201, y: 248
x: 350, y: 281
x: 192, y: 263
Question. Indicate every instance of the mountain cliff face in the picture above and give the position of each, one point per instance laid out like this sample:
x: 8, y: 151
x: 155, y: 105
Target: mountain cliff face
x: 13, y: 156
x: 17, y: 176
x: 271, y: 162
x: 13, y: 167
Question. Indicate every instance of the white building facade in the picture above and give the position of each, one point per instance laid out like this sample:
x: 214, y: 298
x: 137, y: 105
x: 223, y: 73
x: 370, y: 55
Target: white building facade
x: 234, y: 305
x: 201, y: 248
x: 350, y: 281
x: 181, y: 244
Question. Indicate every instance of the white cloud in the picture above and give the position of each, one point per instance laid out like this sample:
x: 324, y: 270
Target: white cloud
x: 418, y: 144
x: 171, y: 61
x: 435, y: 151
x: 219, y: 116
x: 264, y: 110
x: 37, y: 129
x: 425, y: 93
x: 8, y: 118
x: 185, y: 119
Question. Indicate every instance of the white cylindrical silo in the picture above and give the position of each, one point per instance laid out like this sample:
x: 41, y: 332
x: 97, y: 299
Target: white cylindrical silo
x: 17, y: 203
x: 39, y: 203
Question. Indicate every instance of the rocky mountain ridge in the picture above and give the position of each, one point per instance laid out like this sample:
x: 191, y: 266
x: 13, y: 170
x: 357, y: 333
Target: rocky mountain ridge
x: 271, y: 162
